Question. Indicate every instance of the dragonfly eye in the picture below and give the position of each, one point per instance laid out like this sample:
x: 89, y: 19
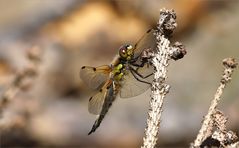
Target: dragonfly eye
x: 123, y: 52
x: 129, y: 47
x: 126, y: 52
x: 129, y: 50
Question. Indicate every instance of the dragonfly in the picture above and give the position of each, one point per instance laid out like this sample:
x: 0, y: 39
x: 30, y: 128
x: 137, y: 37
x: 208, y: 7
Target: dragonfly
x: 128, y: 75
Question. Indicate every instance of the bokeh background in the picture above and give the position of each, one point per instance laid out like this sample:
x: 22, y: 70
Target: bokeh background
x: 73, y: 33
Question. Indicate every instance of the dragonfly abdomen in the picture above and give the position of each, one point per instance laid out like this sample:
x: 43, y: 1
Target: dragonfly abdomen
x: 109, y: 99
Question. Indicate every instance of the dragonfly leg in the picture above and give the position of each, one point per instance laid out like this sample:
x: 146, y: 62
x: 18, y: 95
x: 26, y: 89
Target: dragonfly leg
x: 141, y: 76
x: 138, y: 65
x: 134, y: 73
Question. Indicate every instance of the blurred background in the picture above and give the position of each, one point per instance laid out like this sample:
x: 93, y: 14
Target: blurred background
x: 73, y: 33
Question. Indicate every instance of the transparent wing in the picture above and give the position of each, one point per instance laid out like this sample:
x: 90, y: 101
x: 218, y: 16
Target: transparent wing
x: 131, y: 87
x: 109, y: 97
x: 97, y: 101
x: 147, y: 41
x: 95, y: 77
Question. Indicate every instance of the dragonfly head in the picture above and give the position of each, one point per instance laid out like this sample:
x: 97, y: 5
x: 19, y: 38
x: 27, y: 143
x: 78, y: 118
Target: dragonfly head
x: 126, y: 52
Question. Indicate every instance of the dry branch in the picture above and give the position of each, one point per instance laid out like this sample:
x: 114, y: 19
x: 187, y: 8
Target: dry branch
x: 160, y: 61
x: 21, y: 79
x: 215, y: 118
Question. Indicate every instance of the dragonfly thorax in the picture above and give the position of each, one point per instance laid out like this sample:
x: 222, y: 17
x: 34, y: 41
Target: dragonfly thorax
x: 118, y: 71
x: 126, y: 52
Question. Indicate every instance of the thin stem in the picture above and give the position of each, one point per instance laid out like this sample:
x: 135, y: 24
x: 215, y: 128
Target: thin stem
x: 207, y: 125
x: 19, y: 82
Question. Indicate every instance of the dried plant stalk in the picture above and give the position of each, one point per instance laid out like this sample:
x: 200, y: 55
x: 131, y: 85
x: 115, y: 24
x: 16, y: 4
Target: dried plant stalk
x: 207, y: 126
x: 20, y: 81
x: 159, y: 91
x: 161, y: 57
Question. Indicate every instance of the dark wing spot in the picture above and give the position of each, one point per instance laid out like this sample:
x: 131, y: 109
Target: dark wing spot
x: 94, y: 69
x: 101, y: 90
x: 148, y: 30
x: 107, y: 87
x: 83, y: 67
x: 90, y: 99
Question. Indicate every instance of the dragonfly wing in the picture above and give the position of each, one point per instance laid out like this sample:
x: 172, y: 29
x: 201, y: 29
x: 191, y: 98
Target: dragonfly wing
x: 95, y: 77
x: 97, y: 102
x: 131, y: 86
x: 147, y: 41
x: 107, y: 96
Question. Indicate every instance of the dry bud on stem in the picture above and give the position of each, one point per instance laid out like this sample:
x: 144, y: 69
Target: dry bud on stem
x: 161, y: 57
x: 214, y: 118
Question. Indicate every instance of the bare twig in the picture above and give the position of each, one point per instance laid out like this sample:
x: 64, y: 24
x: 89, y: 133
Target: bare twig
x: 21, y: 79
x: 160, y: 59
x: 212, y: 116
x: 221, y: 133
